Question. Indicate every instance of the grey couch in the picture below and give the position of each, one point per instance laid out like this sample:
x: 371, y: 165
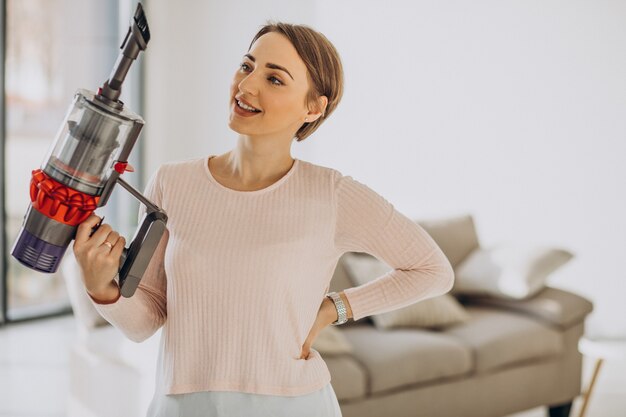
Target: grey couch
x: 509, y: 357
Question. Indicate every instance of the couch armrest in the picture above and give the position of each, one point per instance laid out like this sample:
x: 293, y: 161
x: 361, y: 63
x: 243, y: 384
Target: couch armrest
x: 553, y: 306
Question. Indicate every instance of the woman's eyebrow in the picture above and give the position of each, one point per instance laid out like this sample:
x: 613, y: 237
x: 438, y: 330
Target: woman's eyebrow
x: 270, y: 65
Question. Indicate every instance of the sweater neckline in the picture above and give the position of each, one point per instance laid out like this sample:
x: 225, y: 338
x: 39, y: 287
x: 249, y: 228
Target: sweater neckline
x: 270, y: 187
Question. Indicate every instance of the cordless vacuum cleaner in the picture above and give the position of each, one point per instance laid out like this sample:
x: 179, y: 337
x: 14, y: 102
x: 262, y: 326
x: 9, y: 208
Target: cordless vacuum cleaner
x: 81, y: 168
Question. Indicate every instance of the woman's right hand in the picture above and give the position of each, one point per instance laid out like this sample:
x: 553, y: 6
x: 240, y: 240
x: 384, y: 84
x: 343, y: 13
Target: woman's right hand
x: 99, y: 262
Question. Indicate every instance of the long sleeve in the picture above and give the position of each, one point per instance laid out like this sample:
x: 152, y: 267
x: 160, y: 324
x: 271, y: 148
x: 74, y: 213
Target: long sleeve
x: 141, y: 315
x: 367, y: 222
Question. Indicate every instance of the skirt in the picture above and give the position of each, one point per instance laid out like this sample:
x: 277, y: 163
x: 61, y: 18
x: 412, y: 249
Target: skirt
x: 320, y: 403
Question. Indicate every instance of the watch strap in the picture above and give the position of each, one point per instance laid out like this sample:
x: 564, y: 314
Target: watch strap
x: 342, y: 312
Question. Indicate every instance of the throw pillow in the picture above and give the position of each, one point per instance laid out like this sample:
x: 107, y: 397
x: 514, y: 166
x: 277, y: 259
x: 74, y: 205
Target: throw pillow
x: 331, y: 341
x: 435, y: 312
x: 432, y: 313
x: 508, y: 270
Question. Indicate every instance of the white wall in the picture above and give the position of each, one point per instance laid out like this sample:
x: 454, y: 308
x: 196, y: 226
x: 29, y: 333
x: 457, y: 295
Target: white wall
x: 512, y: 111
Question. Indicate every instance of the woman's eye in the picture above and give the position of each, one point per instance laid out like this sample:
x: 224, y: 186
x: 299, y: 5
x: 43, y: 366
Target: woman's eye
x: 273, y: 80
x: 278, y: 82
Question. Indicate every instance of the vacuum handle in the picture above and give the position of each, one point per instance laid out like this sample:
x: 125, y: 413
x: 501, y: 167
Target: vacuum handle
x: 136, y: 258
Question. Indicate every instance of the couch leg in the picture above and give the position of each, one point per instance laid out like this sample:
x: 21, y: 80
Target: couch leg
x: 560, y: 410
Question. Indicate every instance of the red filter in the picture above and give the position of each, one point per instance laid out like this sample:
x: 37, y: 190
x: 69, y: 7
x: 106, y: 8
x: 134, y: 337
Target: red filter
x: 58, y: 201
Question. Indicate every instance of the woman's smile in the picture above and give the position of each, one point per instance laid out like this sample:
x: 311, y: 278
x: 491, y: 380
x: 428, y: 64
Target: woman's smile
x: 243, y: 112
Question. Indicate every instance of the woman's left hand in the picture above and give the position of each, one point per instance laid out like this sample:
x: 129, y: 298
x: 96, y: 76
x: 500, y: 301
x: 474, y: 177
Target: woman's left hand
x: 326, y: 315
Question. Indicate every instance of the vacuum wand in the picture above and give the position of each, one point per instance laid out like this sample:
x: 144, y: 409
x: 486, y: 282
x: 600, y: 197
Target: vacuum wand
x: 135, y: 41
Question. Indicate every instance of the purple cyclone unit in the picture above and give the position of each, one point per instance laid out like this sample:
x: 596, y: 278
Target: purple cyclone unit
x: 37, y: 254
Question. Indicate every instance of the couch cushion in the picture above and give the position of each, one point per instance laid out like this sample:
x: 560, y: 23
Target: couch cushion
x: 348, y: 376
x: 500, y: 338
x: 399, y: 357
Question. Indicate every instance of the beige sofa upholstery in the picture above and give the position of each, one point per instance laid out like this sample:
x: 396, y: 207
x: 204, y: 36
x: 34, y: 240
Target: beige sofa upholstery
x: 510, y: 356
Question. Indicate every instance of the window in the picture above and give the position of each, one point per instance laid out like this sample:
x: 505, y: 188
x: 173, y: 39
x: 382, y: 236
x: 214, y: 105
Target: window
x: 51, y: 49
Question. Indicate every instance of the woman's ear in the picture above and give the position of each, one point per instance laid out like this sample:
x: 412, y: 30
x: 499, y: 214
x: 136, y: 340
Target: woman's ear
x: 319, y: 109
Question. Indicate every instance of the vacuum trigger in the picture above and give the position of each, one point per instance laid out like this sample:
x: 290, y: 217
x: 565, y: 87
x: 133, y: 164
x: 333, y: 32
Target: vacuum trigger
x: 122, y: 167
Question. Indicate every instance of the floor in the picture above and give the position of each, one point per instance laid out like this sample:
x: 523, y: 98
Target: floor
x: 34, y: 381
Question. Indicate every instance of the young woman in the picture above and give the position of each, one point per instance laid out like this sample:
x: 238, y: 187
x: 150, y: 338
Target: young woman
x: 239, y: 280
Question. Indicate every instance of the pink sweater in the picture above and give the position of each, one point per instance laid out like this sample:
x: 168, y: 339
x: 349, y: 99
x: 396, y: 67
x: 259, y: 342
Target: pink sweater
x: 239, y: 276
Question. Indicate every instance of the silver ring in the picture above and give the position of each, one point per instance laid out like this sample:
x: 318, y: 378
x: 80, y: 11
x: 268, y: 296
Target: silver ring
x: 106, y: 242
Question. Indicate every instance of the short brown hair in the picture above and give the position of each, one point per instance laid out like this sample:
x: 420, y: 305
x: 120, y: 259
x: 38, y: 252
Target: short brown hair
x: 323, y: 66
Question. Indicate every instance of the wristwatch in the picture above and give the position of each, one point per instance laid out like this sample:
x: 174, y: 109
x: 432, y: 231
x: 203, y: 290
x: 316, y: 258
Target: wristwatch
x: 341, y: 308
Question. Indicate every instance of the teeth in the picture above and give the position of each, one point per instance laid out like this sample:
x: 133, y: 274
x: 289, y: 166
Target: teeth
x: 244, y: 106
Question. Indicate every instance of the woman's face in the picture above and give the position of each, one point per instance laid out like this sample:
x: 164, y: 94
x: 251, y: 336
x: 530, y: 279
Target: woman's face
x: 273, y: 79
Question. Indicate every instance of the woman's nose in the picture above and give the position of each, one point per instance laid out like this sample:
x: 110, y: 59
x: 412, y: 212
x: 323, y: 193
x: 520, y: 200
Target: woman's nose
x: 249, y: 85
